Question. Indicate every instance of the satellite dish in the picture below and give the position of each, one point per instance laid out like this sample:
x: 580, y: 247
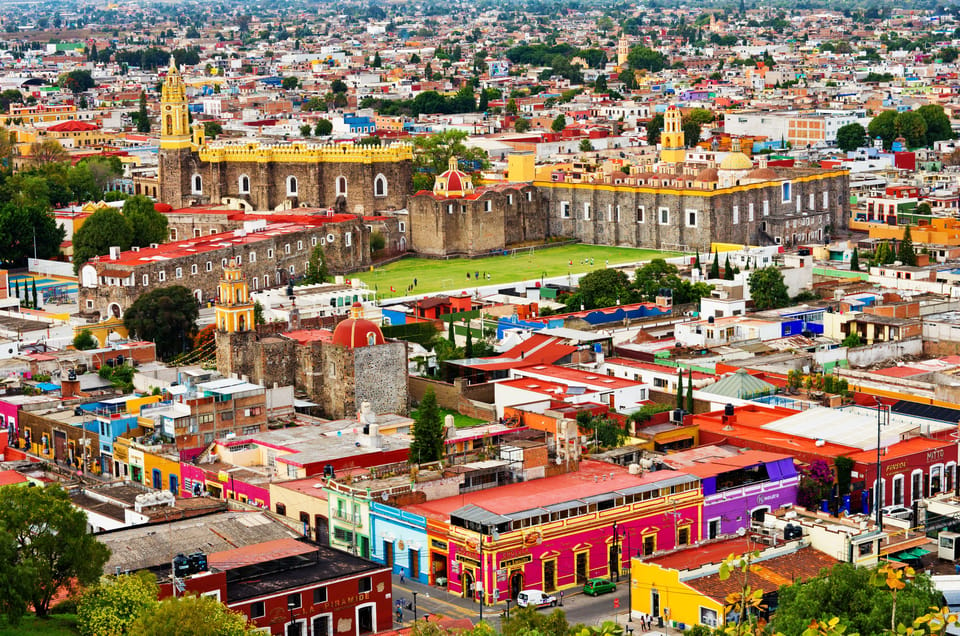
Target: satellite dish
x: 384, y: 495
x: 741, y: 531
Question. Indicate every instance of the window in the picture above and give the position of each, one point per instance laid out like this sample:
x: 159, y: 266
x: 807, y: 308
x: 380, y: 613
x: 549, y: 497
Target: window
x: 785, y: 192
x: 258, y: 610
x: 197, y: 183
x: 736, y: 215
x: 173, y: 234
x: 586, y: 211
x: 281, y: 509
x: 826, y: 200
x: 179, y: 272
x: 380, y: 186
x: 270, y: 253
x: 708, y: 616
x: 193, y: 269
x: 509, y: 199
x: 294, y: 601
x: 640, y: 211
x: 341, y: 186
x: 299, y: 246
x: 197, y: 232
x: 286, y: 248
x: 348, y: 239
x: 812, y: 203
x: 319, y: 595
x: 291, y: 186
x: 691, y: 218
x: 488, y: 206
x: 529, y: 196
x: 609, y: 212
x: 209, y: 267
x: 366, y: 584
x: 565, y: 209
x: 239, y: 259
x: 766, y: 208
x: 293, y: 270
x: 223, y: 262
x: 664, y: 216
x: 146, y: 279
x: 252, y: 257
x: 750, y: 213
x: 244, y: 186
x: 618, y: 214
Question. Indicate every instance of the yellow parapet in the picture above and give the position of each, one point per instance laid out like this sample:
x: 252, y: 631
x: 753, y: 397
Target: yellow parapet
x: 304, y: 153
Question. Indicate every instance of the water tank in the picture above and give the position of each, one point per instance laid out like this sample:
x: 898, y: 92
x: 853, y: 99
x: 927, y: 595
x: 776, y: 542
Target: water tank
x: 728, y: 410
x: 792, y: 531
x: 634, y: 469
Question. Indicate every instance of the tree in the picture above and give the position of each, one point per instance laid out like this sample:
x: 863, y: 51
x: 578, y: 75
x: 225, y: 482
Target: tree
x: 84, y: 341
x: 680, y: 389
x: 884, y: 127
x: 727, y: 269
x: 36, y: 300
x: 323, y: 128
x: 851, y: 137
x: 528, y: 621
x: 906, y: 254
x: 852, y: 340
x: 644, y: 58
x: 451, y: 336
x: 23, y: 223
x: 148, y: 225
x: 212, y: 129
x: 102, y: 230
x: 468, y: 347
x: 521, y: 125
x: 190, y: 616
x: 938, y: 123
x: 338, y: 86
x: 377, y: 241
x: 691, y: 134
x: 54, y: 552
x: 654, y: 127
x: 585, y: 145
x: 689, y: 390
x: 143, y: 117
x: 167, y: 316
x: 432, y: 155
x: 305, y: 130
x: 845, y: 591
x: 912, y: 127
x: 924, y: 209
x: 855, y: 260
x: 77, y: 81
x: 768, y: 289
x: 601, y: 288
x: 377, y: 62
x: 559, y: 123
x: 317, y: 267
x: 46, y: 152
x: 715, y: 266
x: 258, y: 318
x: 112, y: 606
x: 427, y: 443
x: 289, y: 83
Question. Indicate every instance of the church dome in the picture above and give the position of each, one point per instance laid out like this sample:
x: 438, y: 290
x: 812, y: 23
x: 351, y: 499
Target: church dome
x: 356, y: 332
x: 762, y: 174
x: 736, y: 161
x: 708, y: 175
x: 453, y: 182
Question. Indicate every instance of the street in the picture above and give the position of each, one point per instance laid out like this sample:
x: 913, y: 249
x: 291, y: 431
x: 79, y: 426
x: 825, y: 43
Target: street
x: 578, y: 607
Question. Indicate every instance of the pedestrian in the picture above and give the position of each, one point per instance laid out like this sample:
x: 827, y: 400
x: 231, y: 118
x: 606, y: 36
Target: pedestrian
x: 401, y: 576
x: 561, y: 598
x: 414, y: 282
x: 399, y: 614
x: 468, y: 275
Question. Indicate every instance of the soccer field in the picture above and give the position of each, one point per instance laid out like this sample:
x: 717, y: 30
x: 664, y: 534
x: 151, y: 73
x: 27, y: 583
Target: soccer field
x: 522, y: 264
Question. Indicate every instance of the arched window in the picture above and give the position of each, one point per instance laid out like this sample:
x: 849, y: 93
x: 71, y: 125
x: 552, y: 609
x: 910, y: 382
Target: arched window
x: 380, y: 186
x: 291, y: 186
x: 371, y: 339
x: 168, y: 129
x: 244, y: 184
x: 341, y: 186
x: 197, y: 184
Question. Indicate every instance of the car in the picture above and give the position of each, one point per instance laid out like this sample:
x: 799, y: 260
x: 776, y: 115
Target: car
x: 897, y: 512
x: 535, y: 598
x: 594, y: 587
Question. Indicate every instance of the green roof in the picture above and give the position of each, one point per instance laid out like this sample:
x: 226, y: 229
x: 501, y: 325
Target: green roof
x: 740, y: 385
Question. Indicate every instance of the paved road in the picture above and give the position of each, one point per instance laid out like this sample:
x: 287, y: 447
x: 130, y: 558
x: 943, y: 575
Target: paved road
x: 578, y: 607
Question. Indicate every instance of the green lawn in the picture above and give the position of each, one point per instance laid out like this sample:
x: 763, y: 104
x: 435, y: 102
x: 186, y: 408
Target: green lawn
x: 55, y: 625
x: 459, y: 420
x: 440, y: 275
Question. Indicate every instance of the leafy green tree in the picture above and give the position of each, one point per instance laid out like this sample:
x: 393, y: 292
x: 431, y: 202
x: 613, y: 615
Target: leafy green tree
x: 377, y: 241
x: 46, y: 152
x: 601, y: 288
x: 289, y: 83
x: 53, y: 550
x: 432, y: 155
x: 305, y: 130
x: 258, y: 318
x: 884, y: 126
x: 691, y: 134
x: 521, y: 125
x: 323, y: 128
x: 20, y: 226
x: 102, y: 230
x: 654, y: 128
x: 851, y: 137
x: 585, y: 145
x: 190, y: 616
x: 317, y: 267
x: 111, y: 607
x: 845, y: 591
x: 77, y: 81
x: 84, y: 341
x: 852, y: 340
x: 468, y: 347
x: 212, y: 129
x: 528, y: 621
x: 451, y: 335
x: 906, y: 254
x: 377, y: 62
x: 768, y: 289
x: 938, y: 123
x: 559, y: 123
x: 644, y: 58
x: 428, y: 441
x: 912, y: 127
x: 167, y: 316
x: 924, y: 209
x: 143, y: 117
x: 148, y: 225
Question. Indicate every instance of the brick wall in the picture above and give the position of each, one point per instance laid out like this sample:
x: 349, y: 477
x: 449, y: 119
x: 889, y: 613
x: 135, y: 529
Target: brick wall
x: 448, y: 395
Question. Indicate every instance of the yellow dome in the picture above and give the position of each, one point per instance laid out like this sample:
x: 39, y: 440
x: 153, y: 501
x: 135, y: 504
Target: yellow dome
x: 736, y: 161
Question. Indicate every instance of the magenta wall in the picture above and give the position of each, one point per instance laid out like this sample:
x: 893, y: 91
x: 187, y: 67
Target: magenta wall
x: 8, y: 411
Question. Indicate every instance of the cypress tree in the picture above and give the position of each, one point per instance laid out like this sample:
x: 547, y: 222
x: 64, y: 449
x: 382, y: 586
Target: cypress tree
x: 696, y: 262
x: 680, y: 389
x: 727, y: 269
x: 907, y: 255
x: 143, y: 118
x: 427, y: 444
x: 715, y: 266
x: 450, y: 335
x: 468, y: 348
x: 855, y: 261
x: 689, y: 390
x: 36, y: 305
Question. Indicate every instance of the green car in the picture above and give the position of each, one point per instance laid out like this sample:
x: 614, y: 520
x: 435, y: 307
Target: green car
x: 599, y: 586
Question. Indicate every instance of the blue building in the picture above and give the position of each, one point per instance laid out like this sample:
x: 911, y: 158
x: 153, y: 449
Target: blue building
x: 399, y: 540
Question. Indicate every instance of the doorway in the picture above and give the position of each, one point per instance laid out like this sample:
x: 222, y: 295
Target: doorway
x: 59, y: 446
x: 388, y: 554
x: 549, y: 575
x: 467, y: 582
x: 323, y: 532
x: 365, y: 547
x: 654, y: 603
x: 365, y: 623
x: 414, y: 563
x: 438, y: 566
x: 157, y: 479
x: 581, y: 568
x: 516, y: 584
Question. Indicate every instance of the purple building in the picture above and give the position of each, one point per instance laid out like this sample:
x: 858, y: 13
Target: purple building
x: 737, y: 486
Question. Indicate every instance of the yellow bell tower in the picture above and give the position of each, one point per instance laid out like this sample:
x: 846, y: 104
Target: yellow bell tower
x: 234, y: 311
x: 671, y: 139
x: 623, y: 51
x: 174, y: 120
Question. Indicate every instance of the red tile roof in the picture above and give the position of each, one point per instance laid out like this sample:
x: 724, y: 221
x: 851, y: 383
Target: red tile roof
x: 257, y: 553
x: 73, y: 126
x: 11, y: 477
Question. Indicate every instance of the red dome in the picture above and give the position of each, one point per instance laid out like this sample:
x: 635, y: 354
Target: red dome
x: 163, y: 208
x: 454, y: 182
x: 357, y: 332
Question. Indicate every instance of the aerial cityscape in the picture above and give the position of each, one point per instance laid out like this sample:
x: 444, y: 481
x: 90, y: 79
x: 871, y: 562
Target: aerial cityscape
x: 568, y: 318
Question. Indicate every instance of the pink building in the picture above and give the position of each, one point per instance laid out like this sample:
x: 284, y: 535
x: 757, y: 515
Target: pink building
x: 557, y: 532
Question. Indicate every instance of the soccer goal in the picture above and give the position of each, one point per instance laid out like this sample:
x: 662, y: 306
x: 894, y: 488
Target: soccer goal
x: 446, y: 283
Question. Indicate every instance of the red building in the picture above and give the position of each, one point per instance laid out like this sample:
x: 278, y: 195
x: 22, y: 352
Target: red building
x: 290, y: 586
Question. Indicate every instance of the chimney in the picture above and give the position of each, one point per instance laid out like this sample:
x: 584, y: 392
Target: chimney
x: 115, y: 253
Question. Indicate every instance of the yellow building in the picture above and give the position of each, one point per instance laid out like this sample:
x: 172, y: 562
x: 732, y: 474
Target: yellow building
x: 945, y: 231
x: 672, y: 149
x: 234, y: 311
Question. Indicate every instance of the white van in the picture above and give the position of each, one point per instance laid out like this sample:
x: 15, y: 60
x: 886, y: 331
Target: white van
x: 535, y: 598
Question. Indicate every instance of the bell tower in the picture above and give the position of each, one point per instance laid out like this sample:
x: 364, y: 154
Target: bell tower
x: 671, y: 139
x: 623, y: 51
x: 175, y: 142
x: 234, y: 311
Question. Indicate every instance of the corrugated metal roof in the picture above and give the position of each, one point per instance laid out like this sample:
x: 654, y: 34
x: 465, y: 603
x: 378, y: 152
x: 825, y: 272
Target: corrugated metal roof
x: 740, y: 385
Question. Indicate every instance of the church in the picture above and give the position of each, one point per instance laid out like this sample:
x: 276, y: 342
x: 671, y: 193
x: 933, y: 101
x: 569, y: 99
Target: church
x: 358, y: 179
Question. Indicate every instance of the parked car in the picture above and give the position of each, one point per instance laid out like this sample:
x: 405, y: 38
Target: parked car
x: 535, y: 598
x: 599, y: 586
x: 897, y: 512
